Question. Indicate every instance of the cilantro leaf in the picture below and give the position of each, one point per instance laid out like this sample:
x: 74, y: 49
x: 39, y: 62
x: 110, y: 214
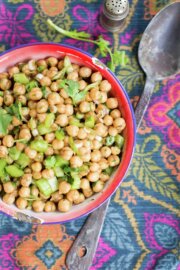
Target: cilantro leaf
x: 103, y: 45
x: 15, y: 109
x: 31, y: 85
x: 5, y: 120
x: 44, y: 91
x: 72, y: 89
x: 80, y: 96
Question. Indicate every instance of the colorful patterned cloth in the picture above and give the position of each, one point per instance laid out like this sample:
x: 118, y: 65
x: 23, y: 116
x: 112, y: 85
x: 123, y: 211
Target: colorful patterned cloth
x: 141, y: 230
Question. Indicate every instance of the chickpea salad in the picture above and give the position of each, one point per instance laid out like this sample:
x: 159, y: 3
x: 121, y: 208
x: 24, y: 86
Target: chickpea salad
x: 60, y: 134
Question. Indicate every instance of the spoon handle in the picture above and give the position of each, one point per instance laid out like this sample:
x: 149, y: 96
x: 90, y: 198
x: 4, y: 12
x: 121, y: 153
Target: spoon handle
x: 144, y: 101
x: 87, y: 241
x: 91, y: 230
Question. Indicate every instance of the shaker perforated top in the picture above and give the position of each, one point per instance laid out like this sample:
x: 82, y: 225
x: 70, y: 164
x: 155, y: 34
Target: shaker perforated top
x: 116, y: 6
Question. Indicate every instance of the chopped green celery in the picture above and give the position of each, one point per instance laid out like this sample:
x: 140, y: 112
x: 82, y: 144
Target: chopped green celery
x: 53, y: 182
x: 44, y: 187
x: 23, y: 160
x: 50, y: 162
x: 14, y: 171
x: 49, y: 120
x: 108, y: 170
x: 110, y: 140
x: 21, y: 78
x: 59, y: 134
x: 39, y: 145
x: 58, y: 171
x: 3, y: 164
x: 75, y: 122
x: 73, y: 145
x: 60, y: 162
x: 92, y: 85
x: 14, y: 153
x: 32, y: 123
x: 90, y: 121
x: 31, y: 85
x: 75, y: 181
x: 41, y: 68
x: 79, y: 116
x: 42, y: 129
x: 119, y: 140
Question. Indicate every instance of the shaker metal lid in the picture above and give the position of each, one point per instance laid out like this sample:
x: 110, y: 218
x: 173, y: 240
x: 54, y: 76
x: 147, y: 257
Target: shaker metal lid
x: 116, y: 9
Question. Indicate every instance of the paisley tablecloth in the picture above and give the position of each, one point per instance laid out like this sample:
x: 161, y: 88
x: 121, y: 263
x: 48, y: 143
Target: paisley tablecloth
x: 142, y: 227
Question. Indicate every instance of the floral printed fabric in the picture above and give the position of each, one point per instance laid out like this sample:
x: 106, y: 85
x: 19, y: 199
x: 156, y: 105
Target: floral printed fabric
x: 142, y: 227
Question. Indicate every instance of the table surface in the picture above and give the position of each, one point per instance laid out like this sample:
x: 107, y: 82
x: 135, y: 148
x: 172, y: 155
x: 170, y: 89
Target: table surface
x: 141, y: 230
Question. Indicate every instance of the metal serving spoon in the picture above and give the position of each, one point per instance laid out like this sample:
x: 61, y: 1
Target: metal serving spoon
x: 159, y: 56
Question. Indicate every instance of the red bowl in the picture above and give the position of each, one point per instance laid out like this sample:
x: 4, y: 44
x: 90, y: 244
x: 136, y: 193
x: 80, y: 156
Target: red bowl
x: 43, y: 50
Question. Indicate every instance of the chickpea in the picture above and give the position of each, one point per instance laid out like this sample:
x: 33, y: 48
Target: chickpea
x: 94, y: 167
x: 50, y: 207
x: 34, y: 191
x: 54, y: 86
x: 1, y: 101
x: 25, y: 134
x: 24, y: 192
x: 112, y: 103
x: 84, y: 107
x: 72, y: 195
x: 13, y: 70
x: 45, y: 81
x: 35, y: 94
x: 22, y: 99
x: 57, y: 144
x: 61, y: 108
x: 98, y: 186
x: 80, y: 199
x: 8, y: 141
x: 36, y: 175
x: 68, y: 101
x: 96, y: 156
x: 119, y: 123
x: 21, y: 203
x: 5, y: 84
x: 75, y: 67
x: 63, y: 94
x: 20, y: 146
x: 49, y: 151
x: 115, y: 113
x: 55, y: 197
x: 3, y: 151
x: 36, y: 166
x: 64, y: 205
x: 9, y: 198
x: 103, y: 97
x: 27, y: 170
x: 66, y: 153
x: 64, y: 187
x: 101, y: 130
x: 32, y: 104
x: 25, y: 111
x: 49, y: 137
x: 105, y: 151
x: 82, y: 134
x: 0, y: 187
x: 96, y: 76
x: 52, y: 61
x: 113, y: 160
x: 95, y: 94
x: 62, y: 120
x: 38, y: 206
x: 105, y: 86
x: 54, y: 127
x: 76, y: 162
x: 103, y: 163
x: 42, y: 63
x: 69, y: 110
x: 82, y: 84
x: 54, y: 98
x: 112, y: 131
x: 87, y: 192
x: 85, y: 72
x: 86, y: 157
x: 72, y: 130
x: 104, y: 177
x: 85, y: 183
x: 9, y: 187
x: 42, y: 106
x: 3, y: 75
x: 96, y: 145
x: 93, y: 176
x: 8, y: 99
x: 88, y: 98
x: 73, y: 76
x: 47, y: 173
x: 33, y: 113
x: 19, y: 89
x: 115, y: 150
x: 26, y: 180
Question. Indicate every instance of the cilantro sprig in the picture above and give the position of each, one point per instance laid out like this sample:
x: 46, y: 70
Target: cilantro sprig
x: 104, y: 46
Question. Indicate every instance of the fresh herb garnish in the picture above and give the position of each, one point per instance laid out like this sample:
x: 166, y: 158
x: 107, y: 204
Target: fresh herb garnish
x: 44, y: 91
x: 5, y: 120
x: 103, y: 45
x: 15, y: 110
x: 31, y: 85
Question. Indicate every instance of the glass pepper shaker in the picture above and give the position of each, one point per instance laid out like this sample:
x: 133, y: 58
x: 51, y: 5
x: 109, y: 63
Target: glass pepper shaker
x: 113, y: 14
